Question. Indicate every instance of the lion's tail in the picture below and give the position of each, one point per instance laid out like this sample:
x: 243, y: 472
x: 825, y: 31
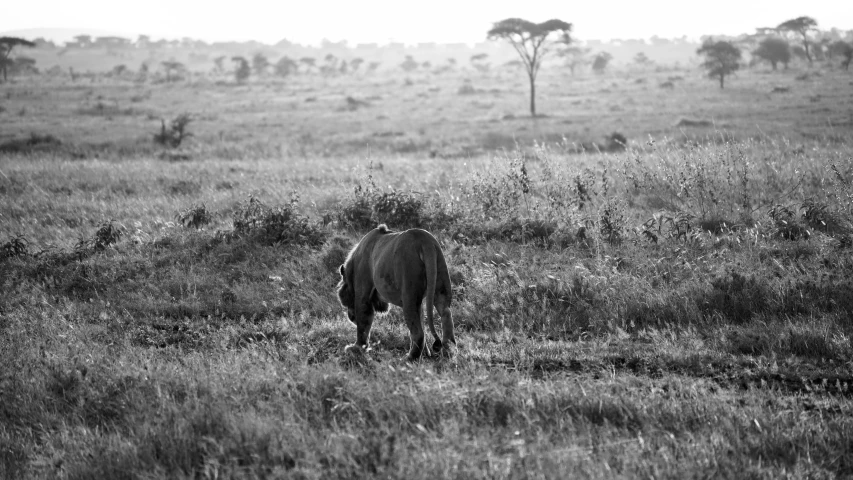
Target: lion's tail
x: 430, y: 257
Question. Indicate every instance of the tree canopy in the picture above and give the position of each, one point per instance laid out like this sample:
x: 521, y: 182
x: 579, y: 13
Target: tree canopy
x: 774, y: 50
x: 285, y: 67
x: 575, y: 56
x: 260, y: 63
x: 532, y: 42
x: 600, y: 61
x: 845, y: 50
x: 7, y: 44
x: 721, y: 59
x: 242, y: 72
x: 802, y: 26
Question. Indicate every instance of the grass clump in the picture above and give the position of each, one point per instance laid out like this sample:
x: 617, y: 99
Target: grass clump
x: 736, y: 296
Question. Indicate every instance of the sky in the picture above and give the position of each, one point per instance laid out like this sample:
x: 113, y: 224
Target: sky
x: 382, y: 21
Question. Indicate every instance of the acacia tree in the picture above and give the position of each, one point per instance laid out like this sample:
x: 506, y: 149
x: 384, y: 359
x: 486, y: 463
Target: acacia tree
x: 600, y: 62
x: 242, y: 72
x: 802, y: 26
x: 309, y: 63
x: 844, y: 49
x: 285, y: 67
x: 531, y: 41
x: 721, y: 59
x: 479, y: 62
x: 575, y: 57
x: 642, y: 60
x: 260, y: 64
x: 7, y: 44
x: 774, y: 50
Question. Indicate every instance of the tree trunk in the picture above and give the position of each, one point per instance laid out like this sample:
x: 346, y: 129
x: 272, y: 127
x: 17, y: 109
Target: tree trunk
x: 774, y: 65
x: 806, y: 46
x: 532, y: 94
x: 722, y: 77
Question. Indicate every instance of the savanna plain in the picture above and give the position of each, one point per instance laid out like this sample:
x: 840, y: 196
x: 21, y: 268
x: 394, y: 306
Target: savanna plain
x: 652, y: 278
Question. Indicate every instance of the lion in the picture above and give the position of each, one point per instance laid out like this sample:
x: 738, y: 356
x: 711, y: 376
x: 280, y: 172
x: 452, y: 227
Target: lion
x: 404, y: 269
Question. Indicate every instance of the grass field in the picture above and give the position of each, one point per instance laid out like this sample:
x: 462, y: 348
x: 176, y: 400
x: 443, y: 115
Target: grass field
x: 680, y: 308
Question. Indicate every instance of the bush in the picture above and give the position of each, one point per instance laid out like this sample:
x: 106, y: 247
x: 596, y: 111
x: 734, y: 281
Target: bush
x: 356, y: 213
x: 822, y: 218
x: 195, y: 216
x: 176, y: 133
x: 108, y: 233
x: 399, y: 210
x: 276, y: 225
x: 615, y: 142
x: 16, y: 247
x: 466, y: 89
x: 785, y: 223
x: 335, y: 252
x: 611, y: 221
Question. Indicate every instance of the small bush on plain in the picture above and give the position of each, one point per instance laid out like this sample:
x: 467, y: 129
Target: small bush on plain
x: 281, y: 224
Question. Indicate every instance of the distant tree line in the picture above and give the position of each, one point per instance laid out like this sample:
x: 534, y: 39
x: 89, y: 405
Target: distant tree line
x: 797, y: 39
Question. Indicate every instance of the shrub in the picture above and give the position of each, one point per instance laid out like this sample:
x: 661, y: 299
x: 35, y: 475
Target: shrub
x: 335, y: 252
x: 15, y: 247
x: 611, y: 221
x: 108, y: 233
x: 276, y: 225
x: 821, y: 217
x: 356, y: 212
x: 397, y: 209
x: 615, y: 142
x: 503, y: 190
x: 785, y: 223
x: 195, y: 216
x: 176, y: 133
x: 466, y: 89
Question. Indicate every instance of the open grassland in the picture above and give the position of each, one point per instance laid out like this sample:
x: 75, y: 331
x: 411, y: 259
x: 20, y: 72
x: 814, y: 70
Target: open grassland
x: 682, y: 308
x: 452, y: 115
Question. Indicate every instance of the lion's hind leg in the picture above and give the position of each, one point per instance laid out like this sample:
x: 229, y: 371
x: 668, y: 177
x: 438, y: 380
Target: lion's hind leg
x: 442, y: 304
x: 416, y: 332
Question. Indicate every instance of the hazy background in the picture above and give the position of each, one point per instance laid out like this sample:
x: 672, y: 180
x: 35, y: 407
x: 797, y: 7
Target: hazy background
x: 381, y: 21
